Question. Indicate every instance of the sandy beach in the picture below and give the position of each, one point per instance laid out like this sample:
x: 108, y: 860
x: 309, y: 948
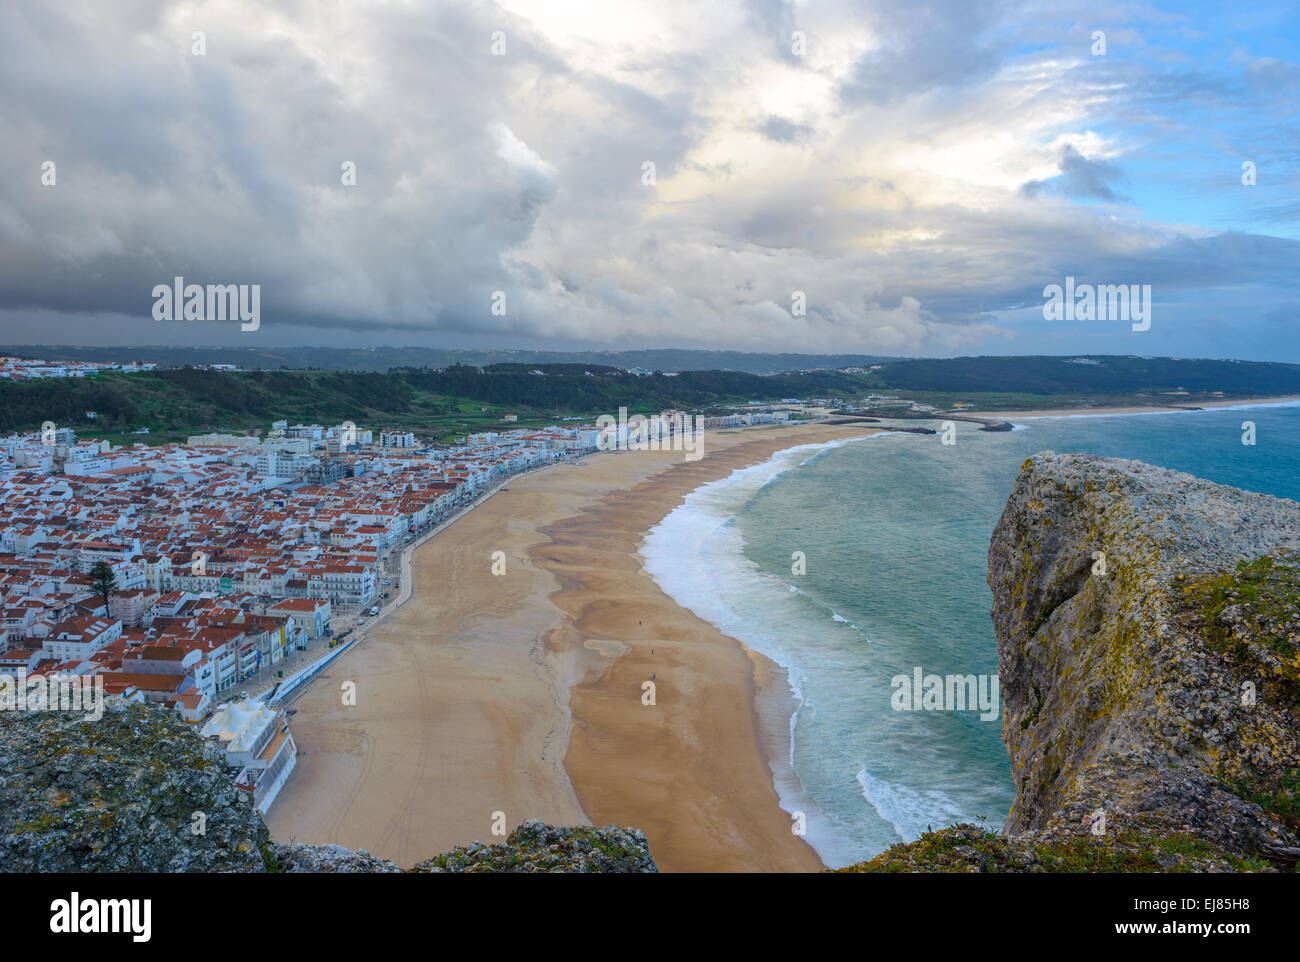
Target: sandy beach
x: 1150, y: 409
x: 521, y: 693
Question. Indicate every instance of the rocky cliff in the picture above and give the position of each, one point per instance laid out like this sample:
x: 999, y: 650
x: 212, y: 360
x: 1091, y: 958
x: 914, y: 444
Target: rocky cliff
x: 140, y: 791
x: 1148, y: 627
x: 136, y: 791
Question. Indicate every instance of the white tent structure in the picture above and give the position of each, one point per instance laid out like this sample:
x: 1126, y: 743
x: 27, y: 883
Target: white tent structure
x: 240, y: 725
x: 256, y: 740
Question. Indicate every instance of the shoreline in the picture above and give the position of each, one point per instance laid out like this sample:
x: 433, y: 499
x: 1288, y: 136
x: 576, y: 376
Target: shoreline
x: 667, y: 551
x: 630, y: 764
x: 1132, y: 409
x: 521, y: 694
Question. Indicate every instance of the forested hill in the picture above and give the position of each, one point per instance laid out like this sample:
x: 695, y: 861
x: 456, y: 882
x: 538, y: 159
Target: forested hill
x: 463, y: 397
x: 1092, y: 375
x: 387, y: 358
x: 190, y: 399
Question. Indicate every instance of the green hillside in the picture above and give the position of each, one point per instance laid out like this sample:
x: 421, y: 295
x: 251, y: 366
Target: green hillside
x: 447, y: 402
x: 175, y: 403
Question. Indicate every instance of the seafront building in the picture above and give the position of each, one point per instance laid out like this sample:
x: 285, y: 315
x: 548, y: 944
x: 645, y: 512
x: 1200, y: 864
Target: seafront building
x: 228, y: 553
x: 257, y: 745
x: 29, y: 369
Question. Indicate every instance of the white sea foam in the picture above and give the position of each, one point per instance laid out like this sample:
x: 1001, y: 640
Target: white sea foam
x: 1245, y: 406
x: 835, y: 615
x: 910, y: 812
x: 696, y: 555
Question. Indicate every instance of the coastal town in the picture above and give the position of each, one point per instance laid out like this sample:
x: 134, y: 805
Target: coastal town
x: 214, y: 577
x: 18, y: 369
x: 232, y: 559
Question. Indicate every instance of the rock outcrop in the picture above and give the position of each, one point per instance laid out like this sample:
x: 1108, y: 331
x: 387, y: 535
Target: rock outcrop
x: 135, y: 791
x: 1148, y: 627
x: 537, y: 847
x: 139, y: 790
x: 532, y: 847
x: 299, y: 858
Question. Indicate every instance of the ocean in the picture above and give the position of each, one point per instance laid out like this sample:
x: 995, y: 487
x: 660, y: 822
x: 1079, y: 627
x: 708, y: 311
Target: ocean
x: 854, y: 562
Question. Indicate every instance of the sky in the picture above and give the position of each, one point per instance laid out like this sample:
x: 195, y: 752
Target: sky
x: 915, y: 174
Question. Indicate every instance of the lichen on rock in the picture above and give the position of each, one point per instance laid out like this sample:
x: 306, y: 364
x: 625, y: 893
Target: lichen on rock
x: 537, y: 847
x: 121, y: 794
x: 299, y: 858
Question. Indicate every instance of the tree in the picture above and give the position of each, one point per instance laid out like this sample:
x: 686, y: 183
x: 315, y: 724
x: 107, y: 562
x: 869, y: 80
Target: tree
x: 103, y: 580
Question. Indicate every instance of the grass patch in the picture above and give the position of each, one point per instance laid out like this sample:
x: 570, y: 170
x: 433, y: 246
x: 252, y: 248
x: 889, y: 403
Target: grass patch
x: 1253, y: 614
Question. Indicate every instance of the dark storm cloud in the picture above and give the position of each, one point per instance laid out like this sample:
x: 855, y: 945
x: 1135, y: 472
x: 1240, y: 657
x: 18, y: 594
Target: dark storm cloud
x: 784, y: 131
x: 524, y: 173
x: 924, y: 46
x: 1080, y: 177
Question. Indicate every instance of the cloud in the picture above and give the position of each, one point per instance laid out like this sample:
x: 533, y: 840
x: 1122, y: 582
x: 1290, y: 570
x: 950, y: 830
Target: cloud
x: 784, y: 131
x: 920, y: 47
x: 1080, y: 177
x: 920, y: 172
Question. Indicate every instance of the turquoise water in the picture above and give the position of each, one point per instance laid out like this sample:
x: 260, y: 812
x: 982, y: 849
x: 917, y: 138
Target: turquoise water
x: 894, y: 530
